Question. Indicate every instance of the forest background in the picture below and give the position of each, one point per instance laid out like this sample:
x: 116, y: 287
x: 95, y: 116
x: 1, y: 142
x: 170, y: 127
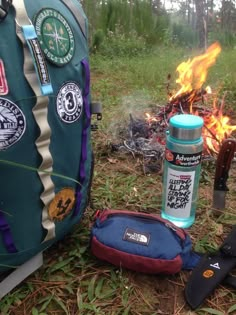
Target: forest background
x: 130, y: 26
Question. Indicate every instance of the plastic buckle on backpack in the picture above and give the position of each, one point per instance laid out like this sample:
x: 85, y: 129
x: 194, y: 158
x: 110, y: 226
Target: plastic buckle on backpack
x: 99, y: 116
x: 96, y: 109
x: 94, y: 127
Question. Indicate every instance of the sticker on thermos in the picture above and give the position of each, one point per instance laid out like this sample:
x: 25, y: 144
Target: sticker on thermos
x: 183, y: 159
x: 179, y: 193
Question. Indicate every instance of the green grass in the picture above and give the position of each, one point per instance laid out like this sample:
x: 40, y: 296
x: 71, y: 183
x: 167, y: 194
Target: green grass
x: 72, y: 281
x: 133, y: 82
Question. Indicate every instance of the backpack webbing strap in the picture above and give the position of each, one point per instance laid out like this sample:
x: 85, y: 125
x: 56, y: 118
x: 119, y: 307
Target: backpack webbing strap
x: 6, y: 234
x: 77, y: 15
x: 82, y: 172
x: 40, y: 112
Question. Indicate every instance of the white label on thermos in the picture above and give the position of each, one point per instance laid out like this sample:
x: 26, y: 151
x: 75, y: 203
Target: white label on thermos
x: 179, y: 193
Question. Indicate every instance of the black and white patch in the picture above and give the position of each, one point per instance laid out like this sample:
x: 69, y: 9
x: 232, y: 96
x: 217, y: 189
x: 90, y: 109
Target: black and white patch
x: 40, y: 61
x: 12, y: 123
x: 69, y: 102
x: 133, y: 236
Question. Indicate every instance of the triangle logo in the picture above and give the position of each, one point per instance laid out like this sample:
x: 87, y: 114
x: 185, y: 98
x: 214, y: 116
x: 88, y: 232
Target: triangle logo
x: 216, y: 265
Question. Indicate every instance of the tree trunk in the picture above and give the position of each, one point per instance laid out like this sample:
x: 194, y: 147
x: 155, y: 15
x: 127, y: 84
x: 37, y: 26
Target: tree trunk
x: 188, y: 2
x: 201, y: 24
x: 228, y: 15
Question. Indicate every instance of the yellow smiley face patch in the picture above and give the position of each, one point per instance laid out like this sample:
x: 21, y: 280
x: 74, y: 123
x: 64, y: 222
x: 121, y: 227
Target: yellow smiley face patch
x: 62, y: 204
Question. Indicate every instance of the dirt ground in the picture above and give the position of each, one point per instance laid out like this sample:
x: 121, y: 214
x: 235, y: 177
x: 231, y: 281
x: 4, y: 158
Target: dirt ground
x: 165, y: 294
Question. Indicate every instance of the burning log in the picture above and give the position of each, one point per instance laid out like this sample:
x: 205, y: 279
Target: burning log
x: 188, y: 98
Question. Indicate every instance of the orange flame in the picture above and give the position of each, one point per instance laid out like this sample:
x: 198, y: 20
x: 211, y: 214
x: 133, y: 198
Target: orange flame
x: 216, y: 129
x: 193, y: 73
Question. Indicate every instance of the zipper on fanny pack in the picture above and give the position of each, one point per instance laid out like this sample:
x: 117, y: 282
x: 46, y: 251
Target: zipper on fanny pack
x: 105, y: 214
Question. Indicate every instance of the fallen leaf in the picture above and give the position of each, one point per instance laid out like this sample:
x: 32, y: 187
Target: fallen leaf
x: 112, y: 161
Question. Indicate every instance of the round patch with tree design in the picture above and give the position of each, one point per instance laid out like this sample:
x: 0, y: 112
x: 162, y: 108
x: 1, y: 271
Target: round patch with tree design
x: 55, y: 36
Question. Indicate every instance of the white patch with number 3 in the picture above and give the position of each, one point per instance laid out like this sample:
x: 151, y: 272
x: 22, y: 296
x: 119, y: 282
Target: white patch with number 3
x: 69, y: 102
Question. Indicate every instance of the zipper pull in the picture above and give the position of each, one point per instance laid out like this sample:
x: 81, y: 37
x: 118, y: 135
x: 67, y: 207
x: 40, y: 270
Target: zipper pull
x: 97, y: 214
x: 168, y: 225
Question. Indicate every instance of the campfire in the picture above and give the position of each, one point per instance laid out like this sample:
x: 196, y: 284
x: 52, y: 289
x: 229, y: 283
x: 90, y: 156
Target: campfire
x: 146, y: 136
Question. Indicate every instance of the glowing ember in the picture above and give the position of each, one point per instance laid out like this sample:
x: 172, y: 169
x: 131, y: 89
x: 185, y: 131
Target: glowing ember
x: 150, y: 118
x: 193, y: 73
x: 208, y: 90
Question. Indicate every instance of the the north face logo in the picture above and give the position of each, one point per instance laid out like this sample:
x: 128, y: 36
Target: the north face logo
x: 141, y: 238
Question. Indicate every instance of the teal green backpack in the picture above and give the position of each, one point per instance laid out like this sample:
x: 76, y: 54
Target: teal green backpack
x: 45, y: 115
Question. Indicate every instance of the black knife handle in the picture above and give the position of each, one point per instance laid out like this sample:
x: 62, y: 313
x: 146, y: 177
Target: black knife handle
x: 223, y: 164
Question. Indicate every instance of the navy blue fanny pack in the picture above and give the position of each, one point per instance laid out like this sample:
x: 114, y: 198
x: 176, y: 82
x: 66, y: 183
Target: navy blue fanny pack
x: 141, y: 242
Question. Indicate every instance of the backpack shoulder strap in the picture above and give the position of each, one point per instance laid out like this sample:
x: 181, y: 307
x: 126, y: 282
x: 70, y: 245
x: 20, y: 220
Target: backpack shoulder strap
x: 77, y: 15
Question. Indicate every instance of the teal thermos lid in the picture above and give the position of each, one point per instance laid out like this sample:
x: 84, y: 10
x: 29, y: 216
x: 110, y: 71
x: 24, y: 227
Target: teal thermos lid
x: 186, y: 127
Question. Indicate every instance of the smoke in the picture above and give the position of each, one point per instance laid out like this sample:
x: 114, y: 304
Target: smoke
x: 130, y: 131
x: 134, y: 105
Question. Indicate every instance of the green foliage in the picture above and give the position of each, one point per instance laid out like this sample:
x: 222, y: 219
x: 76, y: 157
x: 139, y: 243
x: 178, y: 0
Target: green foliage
x: 148, y: 23
x: 184, y: 35
x: 127, y: 22
x: 226, y: 38
x: 115, y: 12
x: 224, y: 78
x: 117, y: 44
x: 98, y: 39
x: 145, y: 73
x: 162, y: 25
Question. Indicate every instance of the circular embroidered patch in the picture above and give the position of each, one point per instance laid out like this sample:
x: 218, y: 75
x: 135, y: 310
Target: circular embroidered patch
x: 12, y: 123
x: 69, y: 102
x: 62, y: 204
x: 55, y: 36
